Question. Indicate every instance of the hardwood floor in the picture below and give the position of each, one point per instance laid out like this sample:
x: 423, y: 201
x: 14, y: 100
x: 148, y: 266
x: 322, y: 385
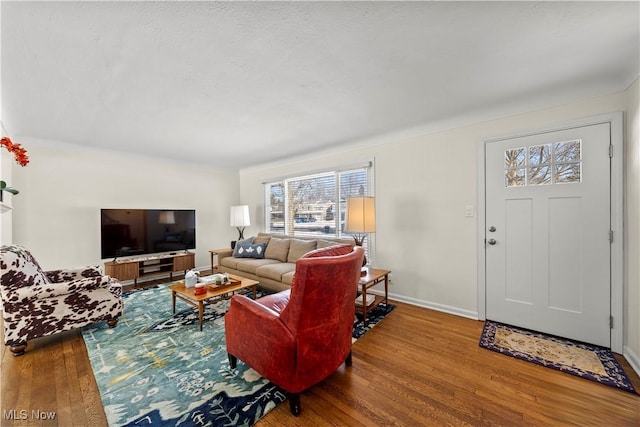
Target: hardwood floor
x: 417, y: 367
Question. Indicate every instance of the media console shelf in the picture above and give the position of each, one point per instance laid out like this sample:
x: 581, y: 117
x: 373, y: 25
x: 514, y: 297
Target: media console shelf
x: 136, y: 268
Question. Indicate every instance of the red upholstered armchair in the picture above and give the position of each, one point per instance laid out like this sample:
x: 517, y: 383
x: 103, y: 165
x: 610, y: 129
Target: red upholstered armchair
x: 297, y: 338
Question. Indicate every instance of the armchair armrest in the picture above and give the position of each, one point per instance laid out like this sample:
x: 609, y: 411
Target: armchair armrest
x: 62, y: 288
x: 256, y: 335
x: 241, y: 307
x: 66, y: 275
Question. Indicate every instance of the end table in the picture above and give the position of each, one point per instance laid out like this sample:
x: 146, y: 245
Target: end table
x: 372, y: 278
x: 214, y: 253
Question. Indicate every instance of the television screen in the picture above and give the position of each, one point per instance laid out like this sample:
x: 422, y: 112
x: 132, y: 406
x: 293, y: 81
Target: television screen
x: 127, y: 232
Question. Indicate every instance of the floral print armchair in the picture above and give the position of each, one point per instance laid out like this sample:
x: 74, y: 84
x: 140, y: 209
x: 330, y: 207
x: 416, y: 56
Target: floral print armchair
x: 38, y: 303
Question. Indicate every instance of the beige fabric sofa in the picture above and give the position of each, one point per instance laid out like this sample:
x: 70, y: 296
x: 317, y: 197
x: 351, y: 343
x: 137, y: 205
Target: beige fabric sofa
x: 274, y: 271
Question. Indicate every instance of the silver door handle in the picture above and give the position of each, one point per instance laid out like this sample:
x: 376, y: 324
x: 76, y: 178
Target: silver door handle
x: 491, y: 241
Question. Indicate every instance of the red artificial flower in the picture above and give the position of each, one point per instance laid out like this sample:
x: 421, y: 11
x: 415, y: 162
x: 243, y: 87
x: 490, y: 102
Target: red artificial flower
x: 19, y: 153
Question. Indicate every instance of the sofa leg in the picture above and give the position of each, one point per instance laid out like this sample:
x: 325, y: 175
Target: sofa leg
x: 233, y: 361
x: 348, y: 361
x: 19, y: 349
x: 112, y: 322
x: 294, y: 403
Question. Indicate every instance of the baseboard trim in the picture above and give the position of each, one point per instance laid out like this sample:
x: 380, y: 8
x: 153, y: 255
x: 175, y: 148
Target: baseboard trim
x: 632, y: 358
x: 431, y: 305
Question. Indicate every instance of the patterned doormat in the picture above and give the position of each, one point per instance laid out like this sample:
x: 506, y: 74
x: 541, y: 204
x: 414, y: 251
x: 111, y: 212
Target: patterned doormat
x: 158, y: 369
x: 583, y: 360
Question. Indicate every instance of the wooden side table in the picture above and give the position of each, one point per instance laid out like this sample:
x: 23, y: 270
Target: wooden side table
x: 372, y: 278
x: 214, y: 253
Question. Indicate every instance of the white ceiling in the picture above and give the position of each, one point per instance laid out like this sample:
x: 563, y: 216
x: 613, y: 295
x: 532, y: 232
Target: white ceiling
x: 240, y: 83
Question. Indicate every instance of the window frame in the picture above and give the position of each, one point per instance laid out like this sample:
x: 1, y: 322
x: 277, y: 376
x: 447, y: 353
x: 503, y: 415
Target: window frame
x: 288, y: 228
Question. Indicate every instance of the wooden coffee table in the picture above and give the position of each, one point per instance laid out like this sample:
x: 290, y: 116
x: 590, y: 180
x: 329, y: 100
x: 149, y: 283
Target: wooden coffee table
x: 214, y: 294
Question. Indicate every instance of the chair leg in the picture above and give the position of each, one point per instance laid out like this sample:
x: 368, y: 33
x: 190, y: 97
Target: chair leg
x: 294, y: 403
x: 19, y: 349
x: 233, y: 361
x: 112, y: 322
x: 348, y: 361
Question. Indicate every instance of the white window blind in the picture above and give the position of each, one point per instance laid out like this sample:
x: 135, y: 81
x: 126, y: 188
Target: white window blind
x: 315, y: 204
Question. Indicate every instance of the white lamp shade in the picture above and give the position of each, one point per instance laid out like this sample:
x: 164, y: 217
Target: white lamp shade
x: 167, y: 217
x: 240, y: 216
x: 361, y: 215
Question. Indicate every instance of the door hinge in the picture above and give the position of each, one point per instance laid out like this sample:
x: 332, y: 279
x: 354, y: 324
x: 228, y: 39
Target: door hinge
x: 610, y: 236
x: 610, y: 322
x: 611, y: 150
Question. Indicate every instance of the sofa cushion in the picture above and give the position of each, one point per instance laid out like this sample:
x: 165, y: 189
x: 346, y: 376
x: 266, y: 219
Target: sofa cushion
x: 277, y: 249
x: 261, y: 239
x: 287, y: 278
x: 239, y: 243
x: 250, y: 265
x: 326, y: 243
x: 275, y: 271
x: 230, y: 262
x: 298, y: 247
x: 251, y: 251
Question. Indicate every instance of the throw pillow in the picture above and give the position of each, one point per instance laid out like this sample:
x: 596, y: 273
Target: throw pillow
x: 277, y: 249
x: 251, y: 251
x: 298, y: 247
x: 239, y: 243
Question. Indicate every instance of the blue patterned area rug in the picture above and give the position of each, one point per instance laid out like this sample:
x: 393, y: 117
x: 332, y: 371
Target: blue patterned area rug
x: 583, y: 360
x: 159, y: 369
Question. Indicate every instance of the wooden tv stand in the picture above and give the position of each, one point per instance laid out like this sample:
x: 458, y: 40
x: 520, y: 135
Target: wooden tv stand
x: 136, y: 268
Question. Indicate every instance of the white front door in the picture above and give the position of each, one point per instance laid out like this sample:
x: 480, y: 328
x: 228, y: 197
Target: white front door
x: 548, y: 222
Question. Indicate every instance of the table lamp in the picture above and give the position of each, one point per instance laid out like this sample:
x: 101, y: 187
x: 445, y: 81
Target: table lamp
x: 360, y: 219
x: 239, y: 219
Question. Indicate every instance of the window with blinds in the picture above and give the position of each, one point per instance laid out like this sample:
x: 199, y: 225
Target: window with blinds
x: 314, y: 205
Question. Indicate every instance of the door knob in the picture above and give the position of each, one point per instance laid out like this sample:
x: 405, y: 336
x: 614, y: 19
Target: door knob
x: 491, y: 241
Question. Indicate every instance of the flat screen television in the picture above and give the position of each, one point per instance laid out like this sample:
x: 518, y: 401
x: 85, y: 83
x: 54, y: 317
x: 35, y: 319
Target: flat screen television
x: 128, y: 232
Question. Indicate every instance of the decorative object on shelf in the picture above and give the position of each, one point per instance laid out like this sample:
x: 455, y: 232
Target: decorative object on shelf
x: 239, y: 219
x: 360, y: 219
x: 20, y: 155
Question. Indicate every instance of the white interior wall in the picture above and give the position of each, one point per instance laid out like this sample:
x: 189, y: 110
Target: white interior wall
x: 423, y: 185
x: 57, y: 213
x: 632, y: 223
